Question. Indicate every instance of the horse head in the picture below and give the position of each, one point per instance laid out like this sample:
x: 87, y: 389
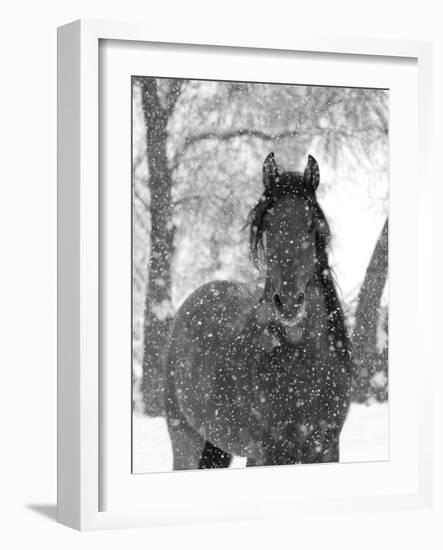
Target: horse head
x: 289, y: 228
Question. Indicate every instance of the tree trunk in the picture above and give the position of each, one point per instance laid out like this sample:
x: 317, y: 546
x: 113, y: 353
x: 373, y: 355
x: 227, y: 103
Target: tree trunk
x: 367, y: 358
x: 158, y: 306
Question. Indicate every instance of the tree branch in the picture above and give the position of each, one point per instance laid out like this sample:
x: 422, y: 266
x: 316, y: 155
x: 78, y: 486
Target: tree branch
x: 196, y: 197
x: 140, y: 198
x: 242, y: 132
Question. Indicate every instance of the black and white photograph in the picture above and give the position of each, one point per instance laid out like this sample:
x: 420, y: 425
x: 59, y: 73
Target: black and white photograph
x: 260, y: 288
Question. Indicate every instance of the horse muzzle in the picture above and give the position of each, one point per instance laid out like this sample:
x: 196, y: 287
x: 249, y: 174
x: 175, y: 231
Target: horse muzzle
x: 289, y: 309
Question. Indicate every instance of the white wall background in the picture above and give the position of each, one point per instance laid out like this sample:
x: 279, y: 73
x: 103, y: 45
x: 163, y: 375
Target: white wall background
x: 28, y: 268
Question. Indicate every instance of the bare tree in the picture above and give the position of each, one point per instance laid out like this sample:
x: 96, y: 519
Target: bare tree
x: 368, y: 359
x: 157, y: 109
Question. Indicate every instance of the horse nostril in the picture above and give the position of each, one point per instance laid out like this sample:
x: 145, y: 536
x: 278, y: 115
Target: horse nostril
x: 300, y: 299
x: 277, y: 302
x: 289, y: 305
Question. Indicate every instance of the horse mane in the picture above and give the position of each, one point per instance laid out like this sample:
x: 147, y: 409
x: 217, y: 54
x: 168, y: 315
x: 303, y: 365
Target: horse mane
x: 291, y: 184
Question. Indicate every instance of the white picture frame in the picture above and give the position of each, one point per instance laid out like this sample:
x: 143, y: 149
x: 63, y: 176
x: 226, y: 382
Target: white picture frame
x: 80, y: 392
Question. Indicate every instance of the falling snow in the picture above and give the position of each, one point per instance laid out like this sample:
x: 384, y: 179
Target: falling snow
x: 191, y: 205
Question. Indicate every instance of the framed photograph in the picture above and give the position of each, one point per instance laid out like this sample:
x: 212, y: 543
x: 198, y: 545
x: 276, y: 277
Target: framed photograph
x: 235, y: 217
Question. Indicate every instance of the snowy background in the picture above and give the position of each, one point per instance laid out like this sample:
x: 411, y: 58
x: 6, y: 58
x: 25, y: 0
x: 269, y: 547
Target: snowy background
x: 365, y: 437
x: 198, y: 150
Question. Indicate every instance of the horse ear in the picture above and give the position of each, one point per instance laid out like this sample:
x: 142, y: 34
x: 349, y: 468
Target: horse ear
x: 270, y: 172
x: 311, y: 176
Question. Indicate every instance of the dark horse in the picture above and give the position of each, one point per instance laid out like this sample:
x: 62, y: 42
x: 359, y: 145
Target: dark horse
x: 264, y: 374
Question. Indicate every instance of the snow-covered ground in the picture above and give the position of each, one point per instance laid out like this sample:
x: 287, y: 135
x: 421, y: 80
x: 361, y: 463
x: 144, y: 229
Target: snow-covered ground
x: 365, y: 438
